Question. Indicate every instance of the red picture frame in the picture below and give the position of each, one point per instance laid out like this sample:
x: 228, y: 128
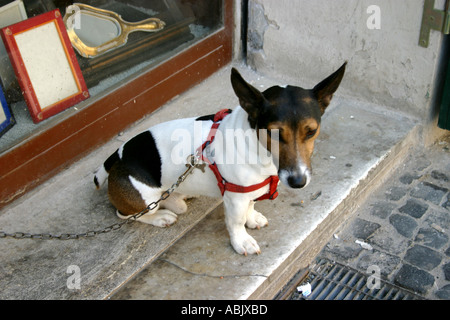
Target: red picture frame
x: 45, y: 64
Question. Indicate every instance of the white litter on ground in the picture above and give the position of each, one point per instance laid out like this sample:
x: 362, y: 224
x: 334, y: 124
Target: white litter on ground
x: 364, y: 245
x: 305, y: 289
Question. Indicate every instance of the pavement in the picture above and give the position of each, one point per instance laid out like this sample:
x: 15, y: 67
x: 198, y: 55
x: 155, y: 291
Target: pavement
x: 359, y: 147
x: 402, y: 230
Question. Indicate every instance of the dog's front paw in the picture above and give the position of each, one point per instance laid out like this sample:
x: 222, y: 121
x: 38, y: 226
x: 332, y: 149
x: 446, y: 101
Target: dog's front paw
x: 255, y: 220
x: 245, y: 244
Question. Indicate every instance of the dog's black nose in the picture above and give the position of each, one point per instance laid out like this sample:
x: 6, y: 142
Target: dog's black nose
x: 297, y: 182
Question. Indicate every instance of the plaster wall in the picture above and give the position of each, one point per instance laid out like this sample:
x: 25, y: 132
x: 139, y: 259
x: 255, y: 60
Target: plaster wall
x: 305, y: 40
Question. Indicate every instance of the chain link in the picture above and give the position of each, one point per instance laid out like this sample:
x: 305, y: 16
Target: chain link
x: 192, y: 162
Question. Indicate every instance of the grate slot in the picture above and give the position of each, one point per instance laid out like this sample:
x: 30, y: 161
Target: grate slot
x: 337, y: 285
x: 333, y: 281
x: 349, y: 281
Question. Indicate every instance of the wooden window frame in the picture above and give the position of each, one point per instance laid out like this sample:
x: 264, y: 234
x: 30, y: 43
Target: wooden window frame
x: 47, y: 152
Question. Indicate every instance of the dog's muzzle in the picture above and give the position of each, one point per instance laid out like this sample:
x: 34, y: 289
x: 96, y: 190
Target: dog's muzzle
x: 295, y: 180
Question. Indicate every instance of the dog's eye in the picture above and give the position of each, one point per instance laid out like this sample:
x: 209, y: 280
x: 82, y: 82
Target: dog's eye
x: 275, y: 134
x: 310, y: 133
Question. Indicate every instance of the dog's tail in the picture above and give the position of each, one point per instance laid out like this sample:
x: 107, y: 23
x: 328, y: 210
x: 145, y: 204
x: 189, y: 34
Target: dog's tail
x: 101, y: 174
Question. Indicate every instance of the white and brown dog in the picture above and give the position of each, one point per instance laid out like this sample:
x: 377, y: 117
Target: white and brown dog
x: 269, y: 136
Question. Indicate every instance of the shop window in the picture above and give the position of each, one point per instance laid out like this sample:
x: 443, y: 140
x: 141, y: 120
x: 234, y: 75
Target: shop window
x: 186, y: 22
x: 125, y: 82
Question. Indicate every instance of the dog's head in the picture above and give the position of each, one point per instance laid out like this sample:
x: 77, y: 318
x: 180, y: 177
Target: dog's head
x: 291, y: 116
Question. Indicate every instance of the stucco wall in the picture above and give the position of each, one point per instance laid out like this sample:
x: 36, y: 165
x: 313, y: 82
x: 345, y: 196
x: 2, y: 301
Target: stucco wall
x: 305, y: 40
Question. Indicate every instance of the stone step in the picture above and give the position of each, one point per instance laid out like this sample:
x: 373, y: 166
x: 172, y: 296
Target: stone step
x: 360, y: 144
x: 193, y: 259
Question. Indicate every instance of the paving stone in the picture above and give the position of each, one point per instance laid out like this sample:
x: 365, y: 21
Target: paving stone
x: 431, y: 238
x: 429, y: 192
x: 439, y: 176
x: 439, y: 218
x: 446, y: 269
x: 414, y: 279
x: 382, y: 209
x: 396, y: 193
x: 363, y: 229
x: 403, y: 224
x: 386, y: 262
x: 423, y: 257
x: 422, y: 163
x: 446, y: 204
x: 414, y: 208
x: 342, y: 252
x: 388, y: 240
x: 408, y: 178
x: 444, y: 293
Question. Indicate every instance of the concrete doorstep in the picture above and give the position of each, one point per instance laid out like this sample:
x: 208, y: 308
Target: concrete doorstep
x: 359, y: 145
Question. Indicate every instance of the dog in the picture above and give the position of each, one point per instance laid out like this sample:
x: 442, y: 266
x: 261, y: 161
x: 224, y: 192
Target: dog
x: 283, y: 122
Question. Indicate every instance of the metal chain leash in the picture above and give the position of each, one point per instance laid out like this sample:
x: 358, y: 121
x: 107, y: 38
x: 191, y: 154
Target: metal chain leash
x: 192, y: 162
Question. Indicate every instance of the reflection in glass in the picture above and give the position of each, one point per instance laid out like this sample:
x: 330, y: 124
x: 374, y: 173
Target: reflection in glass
x: 94, y: 31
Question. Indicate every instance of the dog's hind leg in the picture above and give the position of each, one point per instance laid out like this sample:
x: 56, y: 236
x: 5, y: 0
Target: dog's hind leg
x: 130, y: 197
x: 175, y: 203
x: 159, y: 218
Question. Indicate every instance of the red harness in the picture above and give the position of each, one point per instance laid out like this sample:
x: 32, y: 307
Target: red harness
x: 224, y: 185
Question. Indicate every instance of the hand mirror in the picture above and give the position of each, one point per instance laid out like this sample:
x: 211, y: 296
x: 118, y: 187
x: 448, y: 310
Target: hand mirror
x: 94, y: 31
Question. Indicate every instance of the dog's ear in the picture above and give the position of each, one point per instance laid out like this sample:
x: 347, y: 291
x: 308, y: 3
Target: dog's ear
x: 250, y: 98
x: 324, y: 91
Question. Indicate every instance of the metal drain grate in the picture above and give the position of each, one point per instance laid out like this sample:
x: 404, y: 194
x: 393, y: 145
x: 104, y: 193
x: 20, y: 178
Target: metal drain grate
x: 333, y: 281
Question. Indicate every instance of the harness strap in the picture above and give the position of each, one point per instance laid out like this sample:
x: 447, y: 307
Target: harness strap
x: 224, y: 185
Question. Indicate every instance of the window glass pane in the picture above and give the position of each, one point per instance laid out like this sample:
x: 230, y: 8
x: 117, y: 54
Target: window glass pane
x: 186, y: 21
